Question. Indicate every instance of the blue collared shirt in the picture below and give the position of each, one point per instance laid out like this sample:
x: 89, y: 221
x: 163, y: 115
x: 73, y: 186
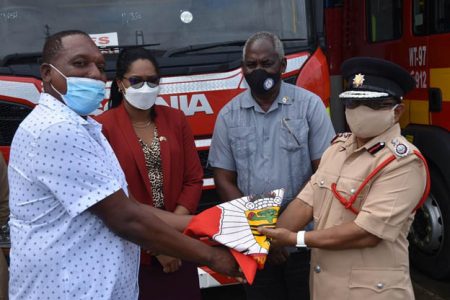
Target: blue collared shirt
x: 273, y: 149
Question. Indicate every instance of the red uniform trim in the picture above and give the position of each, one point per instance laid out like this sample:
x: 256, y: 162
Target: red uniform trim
x: 348, y: 203
x: 427, y: 187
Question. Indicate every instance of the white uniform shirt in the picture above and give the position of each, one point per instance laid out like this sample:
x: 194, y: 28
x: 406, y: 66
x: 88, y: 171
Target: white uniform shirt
x: 60, y: 166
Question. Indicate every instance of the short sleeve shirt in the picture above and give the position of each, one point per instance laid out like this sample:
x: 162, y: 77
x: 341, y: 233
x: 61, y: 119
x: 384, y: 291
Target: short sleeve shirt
x: 60, y: 166
x: 273, y: 149
x: 384, y: 208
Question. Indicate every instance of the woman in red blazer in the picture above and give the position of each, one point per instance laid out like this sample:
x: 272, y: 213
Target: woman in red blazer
x: 156, y: 150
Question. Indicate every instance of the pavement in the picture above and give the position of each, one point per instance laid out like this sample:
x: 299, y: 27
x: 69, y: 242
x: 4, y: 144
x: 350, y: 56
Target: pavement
x: 426, y: 288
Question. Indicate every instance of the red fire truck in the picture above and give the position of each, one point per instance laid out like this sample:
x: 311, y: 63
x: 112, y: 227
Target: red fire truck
x: 198, y: 45
x: 416, y: 35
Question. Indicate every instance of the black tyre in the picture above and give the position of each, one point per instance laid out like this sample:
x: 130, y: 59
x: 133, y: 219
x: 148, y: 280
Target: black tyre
x: 430, y: 232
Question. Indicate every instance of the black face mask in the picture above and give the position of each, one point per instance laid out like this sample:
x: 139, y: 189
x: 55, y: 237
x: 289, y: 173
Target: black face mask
x: 262, y: 82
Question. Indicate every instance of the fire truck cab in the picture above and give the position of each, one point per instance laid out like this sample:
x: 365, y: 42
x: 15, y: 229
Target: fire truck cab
x: 416, y: 35
x: 198, y: 45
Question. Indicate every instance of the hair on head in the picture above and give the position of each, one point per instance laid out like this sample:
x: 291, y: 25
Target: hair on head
x: 53, y: 44
x: 265, y: 35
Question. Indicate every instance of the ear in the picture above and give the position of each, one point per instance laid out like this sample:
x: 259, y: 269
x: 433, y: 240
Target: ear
x: 45, y: 70
x: 243, y: 67
x: 120, y: 86
x: 398, y: 112
x: 283, y: 65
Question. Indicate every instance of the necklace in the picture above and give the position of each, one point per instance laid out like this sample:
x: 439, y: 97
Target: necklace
x: 142, y: 126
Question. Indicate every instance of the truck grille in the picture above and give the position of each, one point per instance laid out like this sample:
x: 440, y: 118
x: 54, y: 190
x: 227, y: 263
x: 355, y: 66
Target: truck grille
x: 11, y: 115
x: 207, y: 170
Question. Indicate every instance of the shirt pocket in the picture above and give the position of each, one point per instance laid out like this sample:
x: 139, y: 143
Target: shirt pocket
x: 243, y: 142
x: 346, y: 188
x: 373, y: 283
x: 322, y: 195
x: 293, y: 134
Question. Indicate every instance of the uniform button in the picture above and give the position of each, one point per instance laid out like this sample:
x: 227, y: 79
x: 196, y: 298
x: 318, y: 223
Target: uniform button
x: 317, y: 269
x: 322, y: 182
x: 380, y: 285
x: 352, y: 191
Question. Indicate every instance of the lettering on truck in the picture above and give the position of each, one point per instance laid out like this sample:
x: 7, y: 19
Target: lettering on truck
x: 197, y: 103
x: 417, y: 61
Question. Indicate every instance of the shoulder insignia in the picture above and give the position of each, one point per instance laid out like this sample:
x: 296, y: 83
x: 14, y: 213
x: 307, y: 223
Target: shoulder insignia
x: 401, y: 149
x: 341, y: 137
x: 377, y: 147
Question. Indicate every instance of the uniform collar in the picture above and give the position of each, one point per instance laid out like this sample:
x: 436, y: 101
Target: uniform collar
x: 54, y: 104
x: 248, y: 101
x: 393, y: 132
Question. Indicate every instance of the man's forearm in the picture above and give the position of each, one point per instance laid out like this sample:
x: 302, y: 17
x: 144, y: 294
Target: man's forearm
x: 344, y: 236
x: 144, y: 225
x: 226, y: 184
x: 179, y: 221
x: 296, y: 216
x: 147, y: 229
x: 228, y: 192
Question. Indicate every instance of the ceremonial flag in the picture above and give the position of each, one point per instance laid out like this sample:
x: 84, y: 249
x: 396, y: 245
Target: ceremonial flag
x: 234, y: 224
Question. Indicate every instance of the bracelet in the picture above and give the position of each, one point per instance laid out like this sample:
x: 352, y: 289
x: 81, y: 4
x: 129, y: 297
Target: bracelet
x: 301, y: 239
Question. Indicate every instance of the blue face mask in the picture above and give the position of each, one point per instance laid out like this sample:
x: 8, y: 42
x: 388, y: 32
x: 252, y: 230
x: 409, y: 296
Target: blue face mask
x: 83, y: 95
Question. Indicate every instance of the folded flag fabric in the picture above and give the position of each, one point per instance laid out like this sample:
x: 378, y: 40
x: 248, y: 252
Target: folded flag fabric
x: 234, y: 224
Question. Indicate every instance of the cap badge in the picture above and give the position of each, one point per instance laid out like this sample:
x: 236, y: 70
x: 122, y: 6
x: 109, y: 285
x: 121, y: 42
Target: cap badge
x: 358, y: 80
x: 268, y: 84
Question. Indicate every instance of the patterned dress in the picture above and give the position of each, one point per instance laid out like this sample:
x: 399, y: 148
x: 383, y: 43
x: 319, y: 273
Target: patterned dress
x: 152, y: 154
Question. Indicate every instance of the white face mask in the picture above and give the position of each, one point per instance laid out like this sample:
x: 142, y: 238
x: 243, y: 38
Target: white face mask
x: 142, y: 98
x: 366, y: 122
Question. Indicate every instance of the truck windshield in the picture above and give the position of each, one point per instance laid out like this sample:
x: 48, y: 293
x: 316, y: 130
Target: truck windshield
x: 171, y: 24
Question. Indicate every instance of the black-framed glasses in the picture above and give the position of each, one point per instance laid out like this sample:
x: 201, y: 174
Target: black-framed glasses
x: 137, y: 82
x: 373, y: 104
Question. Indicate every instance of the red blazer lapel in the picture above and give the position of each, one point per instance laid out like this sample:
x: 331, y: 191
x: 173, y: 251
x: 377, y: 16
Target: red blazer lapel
x: 162, y: 124
x: 131, y: 140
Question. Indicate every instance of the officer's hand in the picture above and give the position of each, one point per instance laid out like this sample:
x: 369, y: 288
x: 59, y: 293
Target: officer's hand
x: 277, y: 255
x: 169, y: 264
x: 279, y: 237
x: 223, y: 262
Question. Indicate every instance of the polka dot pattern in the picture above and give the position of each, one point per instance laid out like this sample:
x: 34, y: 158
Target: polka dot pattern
x: 60, y: 166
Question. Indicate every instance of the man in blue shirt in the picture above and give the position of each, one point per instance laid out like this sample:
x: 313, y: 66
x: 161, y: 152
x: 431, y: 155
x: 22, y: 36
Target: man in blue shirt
x: 270, y: 136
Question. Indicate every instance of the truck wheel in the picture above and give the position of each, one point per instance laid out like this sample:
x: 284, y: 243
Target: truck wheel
x: 430, y: 232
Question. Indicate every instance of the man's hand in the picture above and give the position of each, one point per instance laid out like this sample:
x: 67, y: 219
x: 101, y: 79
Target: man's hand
x: 223, y: 262
x: 279, y: 237
x: 169, y: 264
x: 277, y: 255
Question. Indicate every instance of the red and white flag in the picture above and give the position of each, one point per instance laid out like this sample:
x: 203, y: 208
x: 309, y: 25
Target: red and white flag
x: 234, y: 224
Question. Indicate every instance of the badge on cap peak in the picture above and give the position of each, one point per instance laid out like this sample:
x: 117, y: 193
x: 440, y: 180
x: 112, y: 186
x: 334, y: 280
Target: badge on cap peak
x: 358, y: 80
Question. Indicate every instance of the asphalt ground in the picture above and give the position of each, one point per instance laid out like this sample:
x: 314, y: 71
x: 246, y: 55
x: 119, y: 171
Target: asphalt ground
x: 425, y: 288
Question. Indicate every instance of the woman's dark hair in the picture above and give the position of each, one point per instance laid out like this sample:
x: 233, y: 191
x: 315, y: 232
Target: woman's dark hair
x: 125, y: 59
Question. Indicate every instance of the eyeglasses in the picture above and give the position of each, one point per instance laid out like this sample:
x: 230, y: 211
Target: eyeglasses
x: 137, y: 82
x: 373, y: 104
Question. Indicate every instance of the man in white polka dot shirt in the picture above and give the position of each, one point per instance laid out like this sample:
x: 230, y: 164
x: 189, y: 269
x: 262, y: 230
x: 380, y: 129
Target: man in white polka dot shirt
x: 74, y: 230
